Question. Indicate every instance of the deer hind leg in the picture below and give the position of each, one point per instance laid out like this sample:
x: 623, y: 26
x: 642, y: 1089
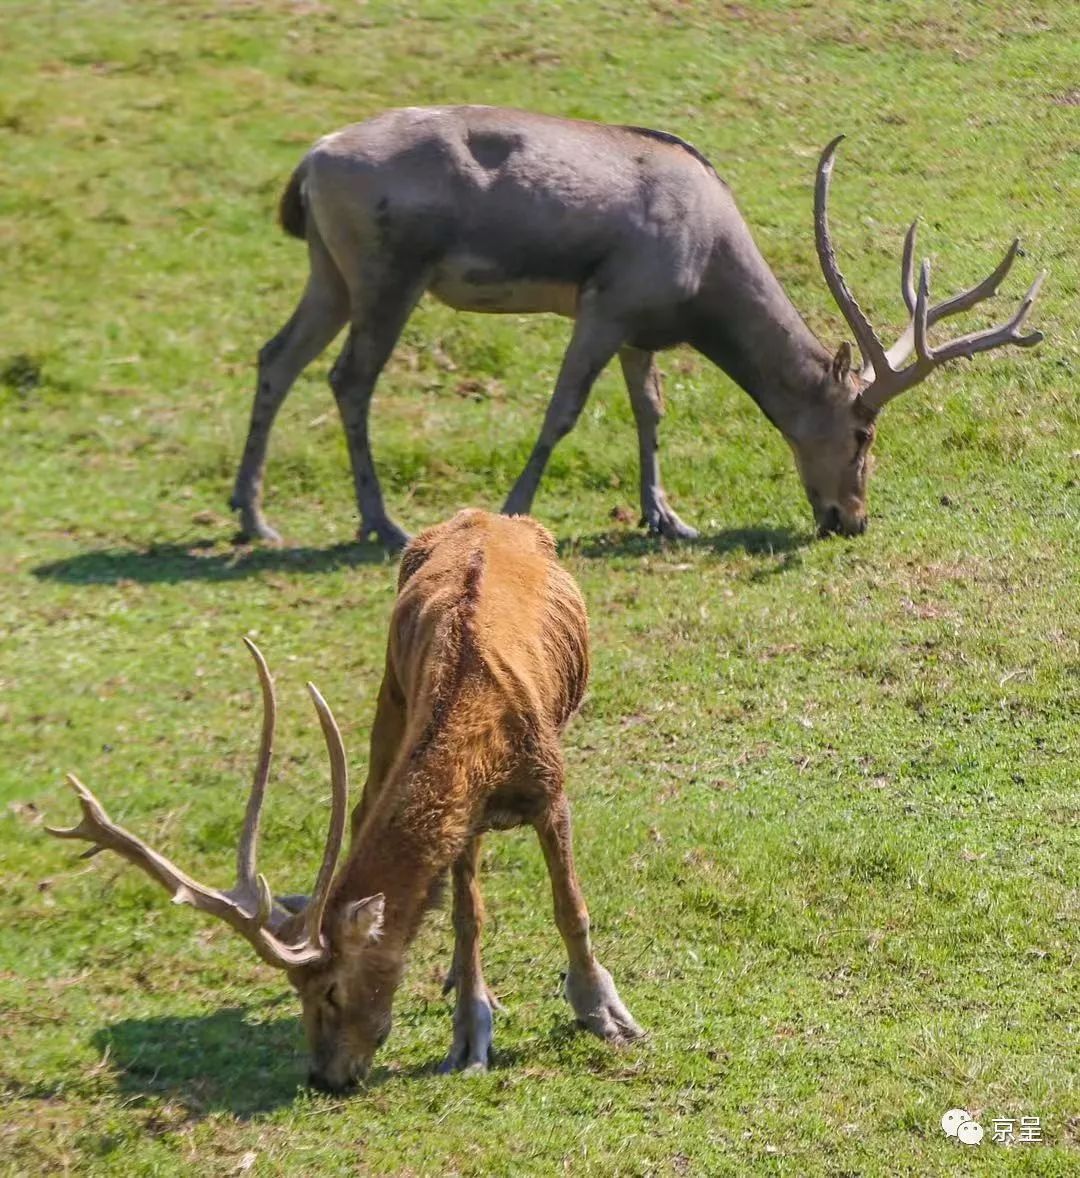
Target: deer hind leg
x: 595, y: 340
x: 321, y: 313
x: 471, y: 1045
x: 590, y: 989
x: 646, y: 399
x: 381, y: 309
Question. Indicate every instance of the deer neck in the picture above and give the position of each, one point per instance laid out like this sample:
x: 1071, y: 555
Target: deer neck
x: 402, y: 849
x: 745, y: 323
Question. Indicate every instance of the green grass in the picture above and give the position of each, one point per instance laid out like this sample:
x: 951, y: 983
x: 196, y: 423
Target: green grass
x: 825, y: 793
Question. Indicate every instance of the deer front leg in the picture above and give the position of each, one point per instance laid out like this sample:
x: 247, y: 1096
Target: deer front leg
x: 594, y: 341
x: 590, y: 989
x: 319, y: 316
x: 471, y: 1046
x: 647, y: 401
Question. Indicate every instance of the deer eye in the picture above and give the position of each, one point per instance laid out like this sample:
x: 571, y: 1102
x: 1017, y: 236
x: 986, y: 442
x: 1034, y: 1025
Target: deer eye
x: 863, y: 437
x: 332, y: 997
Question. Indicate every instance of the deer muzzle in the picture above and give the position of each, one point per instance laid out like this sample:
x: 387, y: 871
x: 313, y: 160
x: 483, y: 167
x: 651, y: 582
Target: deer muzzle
x: 338, y: 1080
x: 831, y: 521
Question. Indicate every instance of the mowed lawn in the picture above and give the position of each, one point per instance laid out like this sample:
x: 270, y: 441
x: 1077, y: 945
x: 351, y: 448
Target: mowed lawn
x: 825, y: 793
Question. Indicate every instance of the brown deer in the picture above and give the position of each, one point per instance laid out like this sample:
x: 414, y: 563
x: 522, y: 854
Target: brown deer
x: 486, y: 662
x: 629, y: 232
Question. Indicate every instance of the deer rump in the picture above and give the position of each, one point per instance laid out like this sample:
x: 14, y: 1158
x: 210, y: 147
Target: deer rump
x: 487, y: 660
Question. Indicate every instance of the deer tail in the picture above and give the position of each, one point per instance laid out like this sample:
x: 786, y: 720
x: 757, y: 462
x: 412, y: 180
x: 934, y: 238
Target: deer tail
x: 292, y: 210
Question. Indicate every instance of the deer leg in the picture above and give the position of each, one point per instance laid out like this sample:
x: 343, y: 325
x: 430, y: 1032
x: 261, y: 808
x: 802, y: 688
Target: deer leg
x: 471, y: 1045
x: 647, y: 400
x: 321, y: 313
x: 589, y: 987
x: 594, y: 341
x: 372, y: 337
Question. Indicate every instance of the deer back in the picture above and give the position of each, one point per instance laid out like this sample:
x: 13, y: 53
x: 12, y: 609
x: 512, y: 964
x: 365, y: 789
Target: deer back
x: 482, y: 597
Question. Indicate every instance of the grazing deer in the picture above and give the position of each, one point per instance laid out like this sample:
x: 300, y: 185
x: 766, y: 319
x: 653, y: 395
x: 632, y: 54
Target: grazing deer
x: 627, y: 231
x: 486, y: 662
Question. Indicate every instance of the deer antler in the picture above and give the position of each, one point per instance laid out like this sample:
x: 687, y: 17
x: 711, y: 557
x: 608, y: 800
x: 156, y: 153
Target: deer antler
x: 883, y: 369
x: 252, y: 891
x: 339, y: 794
x: 249, y: 906
x: 869, y: 344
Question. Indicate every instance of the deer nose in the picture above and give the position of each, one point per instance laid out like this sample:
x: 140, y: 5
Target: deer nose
x: 829, y: 521
x: 320, y: 1083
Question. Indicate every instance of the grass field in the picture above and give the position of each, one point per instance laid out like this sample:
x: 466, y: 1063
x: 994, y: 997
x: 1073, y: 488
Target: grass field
x: 825, y: 793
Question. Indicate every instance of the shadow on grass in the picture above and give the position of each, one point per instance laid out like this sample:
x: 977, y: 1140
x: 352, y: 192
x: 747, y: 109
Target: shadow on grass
x: 206, y: 560
x: 202, y: 561
x: 210, y: 1063
x: 224, y: 1062
x: 749, y: 541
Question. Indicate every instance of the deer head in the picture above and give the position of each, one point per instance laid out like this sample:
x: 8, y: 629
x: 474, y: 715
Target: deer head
x: 320, y: 947
x: 832, y: 444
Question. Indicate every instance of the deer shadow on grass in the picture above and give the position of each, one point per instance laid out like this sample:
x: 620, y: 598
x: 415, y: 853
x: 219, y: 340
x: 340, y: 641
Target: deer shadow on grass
x: 208, y: 560
x: 202, y: 560
x: 770, y: 542
x: 224, y: 1061
x: 229, y: 1062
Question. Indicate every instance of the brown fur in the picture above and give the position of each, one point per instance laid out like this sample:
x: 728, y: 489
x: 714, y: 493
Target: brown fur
x: 487, y: 660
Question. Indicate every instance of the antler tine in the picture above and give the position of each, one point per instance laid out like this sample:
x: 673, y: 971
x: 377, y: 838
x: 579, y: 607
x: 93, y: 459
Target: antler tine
x: 247, y: 883
x: 922, y: 299
x: 967, y: 299
x: 907, y: 268
x: 339, y: 797
x: 995, y: 337
x: 248, y: 908
x: 873, y: 353
x: 902, y: 349
x: 97, y: 828
x: 964, y: 301
x: 893, y: 383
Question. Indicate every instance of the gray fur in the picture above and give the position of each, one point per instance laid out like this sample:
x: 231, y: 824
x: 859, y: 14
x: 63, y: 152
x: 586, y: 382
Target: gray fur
x: 629, y: 232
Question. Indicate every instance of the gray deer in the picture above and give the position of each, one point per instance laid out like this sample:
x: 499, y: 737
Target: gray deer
x: 629, y: 232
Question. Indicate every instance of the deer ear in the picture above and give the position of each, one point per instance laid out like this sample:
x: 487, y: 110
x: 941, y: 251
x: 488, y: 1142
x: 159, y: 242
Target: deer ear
x: 841, y: 362
x: 362, y: 920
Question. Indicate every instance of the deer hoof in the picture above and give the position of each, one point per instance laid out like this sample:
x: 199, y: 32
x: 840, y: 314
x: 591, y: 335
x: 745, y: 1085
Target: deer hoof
x: 599, y: 1008
x: 253, y: 525
x: 259, y: 530
x: 471, y: 1049
x: 662, y: 521
x: 387, y: 533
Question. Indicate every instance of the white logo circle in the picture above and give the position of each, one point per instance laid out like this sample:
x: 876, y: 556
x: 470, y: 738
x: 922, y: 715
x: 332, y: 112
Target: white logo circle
x: 953, y: 1119
x: 970, y: 1132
